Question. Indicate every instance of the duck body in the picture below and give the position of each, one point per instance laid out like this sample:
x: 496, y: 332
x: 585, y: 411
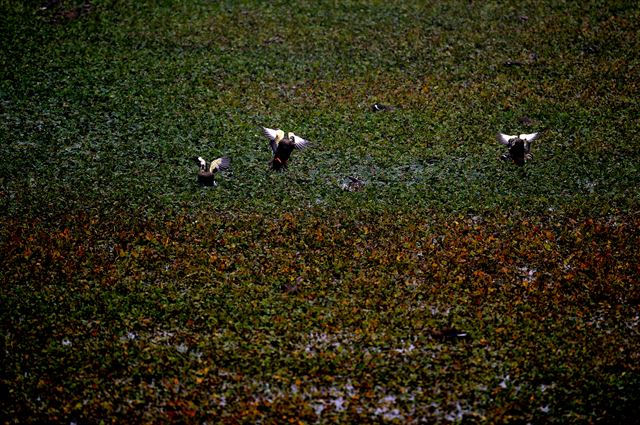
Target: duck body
x: 519, y: 147
x: 206, y: 173
x: 282, y: 154
x: 282, y: 146
x: 379, y: 107
x: 448, y: 333
x: 354, y: 184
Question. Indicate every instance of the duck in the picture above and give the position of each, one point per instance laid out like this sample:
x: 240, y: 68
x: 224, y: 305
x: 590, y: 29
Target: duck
x: 448, y: 332
x: 519, y: 147
x: 379, y: 107
x: 353, y: 185
x: 205, y: 174
x: 283, y: 146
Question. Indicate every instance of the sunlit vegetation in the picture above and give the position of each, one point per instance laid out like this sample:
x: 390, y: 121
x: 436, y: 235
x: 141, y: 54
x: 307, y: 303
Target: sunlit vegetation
x: 129, y: 293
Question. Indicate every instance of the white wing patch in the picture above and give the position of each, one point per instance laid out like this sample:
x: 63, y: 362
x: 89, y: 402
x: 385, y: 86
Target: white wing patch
x: 504, y: 138
x: 529, y: 137
x: 219, y: 164
x: 300, y: 142
x: 274, y: 136
x: 270, y: 133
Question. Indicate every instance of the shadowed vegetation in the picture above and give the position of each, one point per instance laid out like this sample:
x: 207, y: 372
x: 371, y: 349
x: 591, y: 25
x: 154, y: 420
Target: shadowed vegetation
x: 130, y: 293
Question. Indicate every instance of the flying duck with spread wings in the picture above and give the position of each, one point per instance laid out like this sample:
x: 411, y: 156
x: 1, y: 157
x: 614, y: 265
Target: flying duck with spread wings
x: 282, y: 146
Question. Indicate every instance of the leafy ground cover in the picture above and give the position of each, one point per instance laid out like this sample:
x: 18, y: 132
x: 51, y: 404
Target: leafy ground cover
x: 131, y: 294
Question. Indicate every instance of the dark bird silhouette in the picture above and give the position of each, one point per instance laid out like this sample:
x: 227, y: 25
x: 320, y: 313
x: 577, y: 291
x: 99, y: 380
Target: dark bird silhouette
x: 205, y: 174
x: 448, y: 333
x: 379, y: 107
x: 519, y: 147
x: 353, y: 185
x: 283, y: 146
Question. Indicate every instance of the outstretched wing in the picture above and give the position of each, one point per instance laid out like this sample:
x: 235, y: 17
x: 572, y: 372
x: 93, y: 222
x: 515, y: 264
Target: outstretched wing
x: 203, y: 163
x: 530, y: 137
x: 299, y: 142
x: 270, y: 133
x: 504, y: 138
x: 219, y: 164
x: 274, y: 137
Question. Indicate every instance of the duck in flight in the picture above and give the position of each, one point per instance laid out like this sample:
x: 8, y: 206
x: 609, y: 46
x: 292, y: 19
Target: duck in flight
x: 205, y: 174
x: 283, y: 146
x: 519, y: 147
